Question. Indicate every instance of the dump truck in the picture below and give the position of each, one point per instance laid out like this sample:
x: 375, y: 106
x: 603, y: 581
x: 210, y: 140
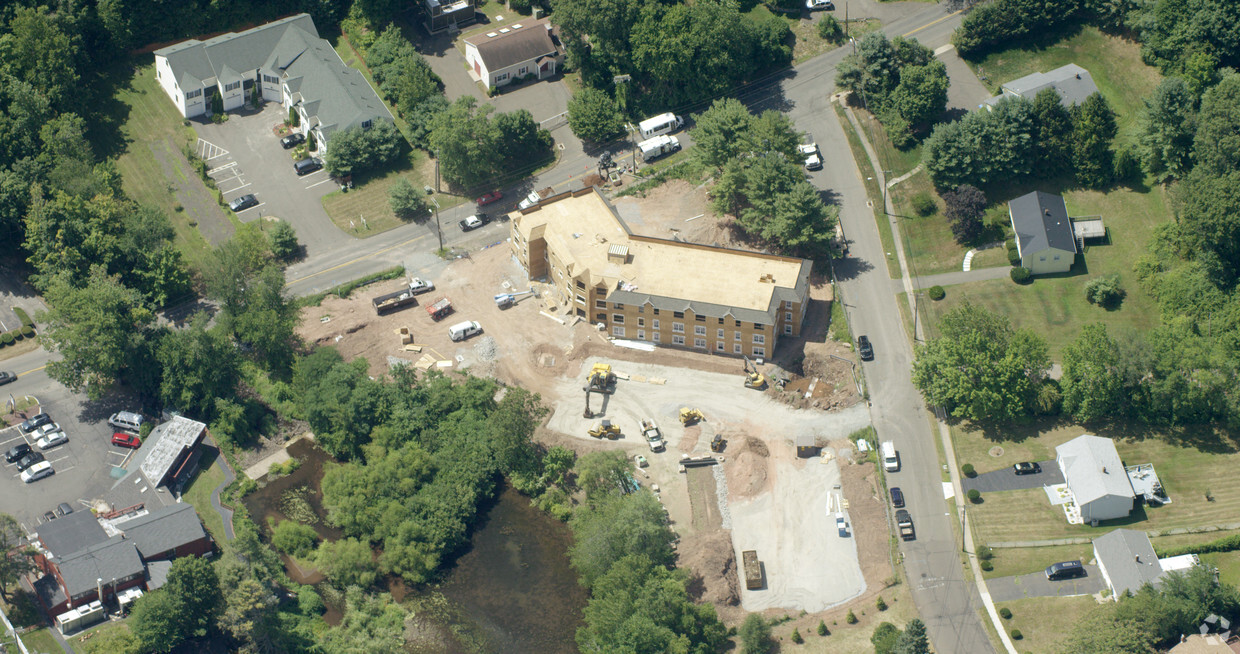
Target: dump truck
x: 905, y: 522
x: 753, y: 569
x: 392, y: 301
x: 654, y: 438
x: 658, y: 146
x: 605, y: 428
x: 440, y: 308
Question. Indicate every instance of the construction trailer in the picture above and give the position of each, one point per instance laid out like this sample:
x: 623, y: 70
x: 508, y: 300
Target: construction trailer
x: 393, y: 301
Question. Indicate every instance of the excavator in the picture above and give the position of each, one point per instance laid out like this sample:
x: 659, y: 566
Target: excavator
x: 753, y: 378
x: 601, y: 380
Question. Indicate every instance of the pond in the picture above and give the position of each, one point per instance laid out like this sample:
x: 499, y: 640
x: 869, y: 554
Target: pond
x: 510, y: 590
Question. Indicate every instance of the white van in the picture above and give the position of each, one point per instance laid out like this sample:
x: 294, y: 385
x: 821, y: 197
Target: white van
x: 463, y: 330
x: 127, y: 420
x: 661, y: 124
x: 891, y: 460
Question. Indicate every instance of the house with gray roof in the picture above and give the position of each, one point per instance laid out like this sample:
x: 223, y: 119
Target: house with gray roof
x: 1073, y: 84
x: 500, y: 56
x: 1096, y: 477
x: 283, y: 61
x: 1127, y: 561
x: 1044, y: 236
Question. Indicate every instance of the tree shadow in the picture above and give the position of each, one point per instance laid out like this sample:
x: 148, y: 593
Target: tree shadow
x: 848, y: 268
x: 107, y: 114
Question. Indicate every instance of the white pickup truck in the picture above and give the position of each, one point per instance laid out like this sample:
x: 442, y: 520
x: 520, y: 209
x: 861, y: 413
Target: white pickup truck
x: 813, y: 160
x: 654, y: 438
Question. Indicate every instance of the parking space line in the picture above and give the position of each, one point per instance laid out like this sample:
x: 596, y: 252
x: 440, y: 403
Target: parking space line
x: 234, y: 189
x: 232, y: 164
x: 2, y: 444
x: 317, y: 183
x: 208, y: 150
x: 253, y: 207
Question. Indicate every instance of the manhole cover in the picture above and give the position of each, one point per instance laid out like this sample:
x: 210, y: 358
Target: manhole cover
x: 996, y: 451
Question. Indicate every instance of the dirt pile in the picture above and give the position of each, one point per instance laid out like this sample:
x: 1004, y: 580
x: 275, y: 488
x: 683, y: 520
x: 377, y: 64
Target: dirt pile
x: 748, y: 468
x: 708, y: 557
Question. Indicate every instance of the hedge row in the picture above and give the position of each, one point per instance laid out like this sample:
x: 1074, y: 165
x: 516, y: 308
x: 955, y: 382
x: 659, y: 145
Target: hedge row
x: 1225, y: 544
x: 26, y: 330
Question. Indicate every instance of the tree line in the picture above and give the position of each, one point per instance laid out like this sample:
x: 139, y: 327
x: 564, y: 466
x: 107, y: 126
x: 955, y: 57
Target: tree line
x: 899, y: 81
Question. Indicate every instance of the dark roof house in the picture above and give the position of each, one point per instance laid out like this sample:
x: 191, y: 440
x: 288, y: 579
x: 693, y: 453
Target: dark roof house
x: 1044, y: 236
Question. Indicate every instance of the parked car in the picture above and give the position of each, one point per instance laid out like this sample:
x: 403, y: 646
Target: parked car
x: 30, y: 459
x: 35, y: 422
x: 864, y: 348
x: 897, y: 497
x: 126, y: 440
x: 293, y: 140
x: 814, y: 5
x: 417, y: 285
x: 45, y: 429
x: 473, y: 222
x: 16, y: 452
x: 813, y: 159
x: 52, y: 440
x: 6, y: 377
x: 1027, y: 468
x: 1064, y: 570
x: 63, y: 509
x: 307, y: 166
x: 37, y: 471
x: 49, y: 516
x: 244, y: 202
x: 493, y: 196
x: 530, y: 200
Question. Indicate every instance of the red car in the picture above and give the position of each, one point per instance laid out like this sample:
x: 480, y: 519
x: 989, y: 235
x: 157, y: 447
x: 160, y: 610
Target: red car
x: 126, y: 440
x: 493, y: 196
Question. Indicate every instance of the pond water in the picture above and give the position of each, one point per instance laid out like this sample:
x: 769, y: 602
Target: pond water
x: 510, y: 590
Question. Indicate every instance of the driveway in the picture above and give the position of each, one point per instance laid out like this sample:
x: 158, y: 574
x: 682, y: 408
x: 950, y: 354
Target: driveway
x: 244, y: 156
x: 966, y: 91
x: 1006, y: 589
x: 1007, y: 479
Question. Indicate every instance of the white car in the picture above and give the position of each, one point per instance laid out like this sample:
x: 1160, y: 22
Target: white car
x: 44, y: 430
x: 52, y: 440
x: 37, y: 472
x: 813, y: 160
x: 814, y: 5
x: 418, y: 285
x: 530, y: 200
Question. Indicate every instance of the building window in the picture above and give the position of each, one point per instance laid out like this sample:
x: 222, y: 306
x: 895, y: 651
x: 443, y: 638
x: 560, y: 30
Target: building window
x: 581, y: 285
x: 700, y: 318
x: 757, y: 326
x: 655, y: 337
x: 1056, y: 257
x: 617, y: 331
x: 641, y: 334
x: 500, y: 78
x: 600, y: 304
x: 655, y: 323
x: 678, y: 327
x: 719, y: 333
x: 759, y: 339
x: 678, y: 314
x: 271, y: 79
x: 738, y: 323
x: 581, y: 299
x: 641, y: 308
x: 600, y: 317
x: 641, y: 322
x: 617, y: 318
x: 699, y: 343
x: 721, y: 321
x: 656, y: 312
x: 759, y: 351
x: 1043, y: 258
x: 367, y: 123
x: 787, y: 329
x: 736, y: 336
x: 232, y: 87
x: 523, y: 70
x: 736, y: 349
x: 193, y: 94
x: 619, y: 307
x: 788, y: 304
x: 699, y: 330
x: 787, y: 315
x: 718, y: 346
x: 678, y: 339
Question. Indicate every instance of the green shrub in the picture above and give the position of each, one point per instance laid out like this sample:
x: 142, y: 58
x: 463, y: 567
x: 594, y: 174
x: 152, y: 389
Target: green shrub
x: 520, y: 6
x: 1014, y: 257
x: 822, y: 626
x: 311, y: 144
x: 23, y: 316
x: 1225, y: 544
x: 830, y: 30
x: 923, y: 204
x: 851, y: 618
x: 1005, y: 613
x: 882, y: 606
x: 1010, y: 245
x: 968, y: 470
x: 987, y: 566
x: 6, y: 338
x: 1016, y: 635
x: 1104, y: 291
x: 985, y: 553
x: 294, y: 538
x: 975, y: 495
x: 17, y: 335
x: 309, y: 602
x: 937, y: 293
x: 1021, y: 275
x: 797, y: 637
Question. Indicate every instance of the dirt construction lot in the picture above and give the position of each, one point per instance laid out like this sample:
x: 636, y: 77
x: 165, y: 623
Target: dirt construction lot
x: 761, y: 496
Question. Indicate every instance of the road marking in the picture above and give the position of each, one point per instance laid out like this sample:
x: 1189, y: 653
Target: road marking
x: 231, y: 164
x: 32, y: 370
x: 361, y: 258
x: 253, y: 207
x: 317, y: 183
x: 19, y: 436
x: 234, y: 189
x: 933, y: 22
x: 943, y: 48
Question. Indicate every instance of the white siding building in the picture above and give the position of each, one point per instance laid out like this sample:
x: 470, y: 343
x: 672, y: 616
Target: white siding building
x: 499, y: 56
x: 1044, y: 236
x: 1096, y: 477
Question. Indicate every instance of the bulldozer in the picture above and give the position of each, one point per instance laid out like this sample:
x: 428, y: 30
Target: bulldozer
x: 690, y: 416
x: 601, y: 380
x: 605, y: 428
x: 717, y: 444
x: 753, y: 378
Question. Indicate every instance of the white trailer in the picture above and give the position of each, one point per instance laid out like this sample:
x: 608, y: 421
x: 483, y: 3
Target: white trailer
x: 658, y: 146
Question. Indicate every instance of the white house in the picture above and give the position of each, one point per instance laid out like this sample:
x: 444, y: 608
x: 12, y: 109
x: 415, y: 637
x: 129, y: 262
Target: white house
x: 1073, y: 84
x: 284, y: 61
x: 1044, y: 236
x: 1096, y: 477
x: 1127, y: 561
x: 499, y: 56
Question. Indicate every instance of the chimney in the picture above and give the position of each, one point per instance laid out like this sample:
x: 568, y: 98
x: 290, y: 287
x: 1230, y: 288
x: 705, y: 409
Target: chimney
x: 1104, y: 470
x: 1136, y: 557
x: 1078, y: 76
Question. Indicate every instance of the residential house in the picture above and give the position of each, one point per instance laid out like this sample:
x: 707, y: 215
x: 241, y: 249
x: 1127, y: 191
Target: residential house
x: 1073, y: 84
x: 1044, y: 236
x: 665, y: 292
x: 500, y: 56
x: 283, y: 61
x: 1127, y: 561
x: 441, y: 15
x: 1096, y: 477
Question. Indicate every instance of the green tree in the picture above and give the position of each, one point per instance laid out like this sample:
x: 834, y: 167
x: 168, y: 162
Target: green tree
x: 157, y: 621
x: 464, y: 140
x: 521, y: 141
x: 372, y: 624
x: 40, y: 51
x: 755, y: 633
x: 913, y: 640
x: 921, y: 95
x: 1053, y: 136
x: 616, y: 526
x: 1209, y: 220
x: 197, y: 366
x: 283, y: 241
x: 293, y: 538
x: 406, y: 201
x: 594, y: 116
x: 829, y: 30
x: 1092, y: 387
x: 770, y: 198
x: 599, y: 473
x: 359, y: 150
x: 250, y: 615
x: 193, y: 584
x: 983, y: 148
x: 1093, y: 125
x: 268, y: 320
x: 885, y: 637
x: 964, y: 207
x: 1167, y: 126
x: 980, y: 368
x: 720, y: 133
x: 1104, y: 291
x: 347, y: 562
x: 16, y: 563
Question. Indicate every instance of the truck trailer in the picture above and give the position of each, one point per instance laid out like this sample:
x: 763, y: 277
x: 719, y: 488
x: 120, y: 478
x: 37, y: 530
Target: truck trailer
x: 392, y: 301
x: 658, y: 146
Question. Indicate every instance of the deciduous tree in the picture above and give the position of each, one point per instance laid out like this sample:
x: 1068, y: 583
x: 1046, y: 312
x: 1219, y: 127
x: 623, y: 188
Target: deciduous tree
x: 964, y: 208
x: 406, y: 201
x: 1092, y: 386
x: 617, y: 526
x: 1217, y: 142
x: 197, y: 365
x: 594, y: 116
x: 16, y: 562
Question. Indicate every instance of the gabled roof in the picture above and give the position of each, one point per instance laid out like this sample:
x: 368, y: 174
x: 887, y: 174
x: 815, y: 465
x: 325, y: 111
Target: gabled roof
x: 76, y: 531
x: 1093, y: 469
x: 1073, y: 84
x: 525, y: 43
x: 1040, y: 221
x: 111, y: 559
x: 1129, y: 559
x: 196, y: 63
x: 164, y: 529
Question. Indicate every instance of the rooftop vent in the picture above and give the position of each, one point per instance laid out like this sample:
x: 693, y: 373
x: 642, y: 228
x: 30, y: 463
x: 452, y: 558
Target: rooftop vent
x: 518, y: 26
x: 504, y: 30
x: 1048, y: 212
x: 491, y: 35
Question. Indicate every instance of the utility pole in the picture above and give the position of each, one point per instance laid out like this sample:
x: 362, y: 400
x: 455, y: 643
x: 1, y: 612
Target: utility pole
x: 438, y: 226
x: 624, y: 79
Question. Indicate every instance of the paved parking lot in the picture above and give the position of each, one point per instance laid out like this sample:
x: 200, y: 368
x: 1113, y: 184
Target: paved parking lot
x: 1005, y: 589
x: 243, y: 156
x: 15, y: 293
x: 1007, y: 479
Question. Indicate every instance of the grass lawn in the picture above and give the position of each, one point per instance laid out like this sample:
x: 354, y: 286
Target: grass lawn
x: 369, y: 198
x: 871, y: 189
x: 1186, y: 472
x: 152, y: 122
x: 1114, y: 63
x: 928, y: 241
x: 896, y: 161
x: 1044, y: 621
x: 198, y: 493
x: 1228, y: 564
x: 41, y: 642
x: 1024, y: 560
x: 808, y: 44
x: 992, y: 258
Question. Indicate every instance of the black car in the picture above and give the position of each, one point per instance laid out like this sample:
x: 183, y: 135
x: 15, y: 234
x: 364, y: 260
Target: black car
x: 293, y: 140
x: 307, y: 166
x: 49, y: 516
x: 897, y: 497
x: 64, y: 509
x: 35, y: 422
x: 864, y: 348
x: 6, y: 377
x: 29, y: 460
x: 1027, y: 468
x: 16, y: 452
x: 244, y: 202
x: 473, y: 222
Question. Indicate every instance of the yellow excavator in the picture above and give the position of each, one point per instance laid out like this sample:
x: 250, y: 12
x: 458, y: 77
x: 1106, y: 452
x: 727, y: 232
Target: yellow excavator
x: 690, y: 416
x: 753, y: 378
x: 601, y: 380
x: 605, y: 428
